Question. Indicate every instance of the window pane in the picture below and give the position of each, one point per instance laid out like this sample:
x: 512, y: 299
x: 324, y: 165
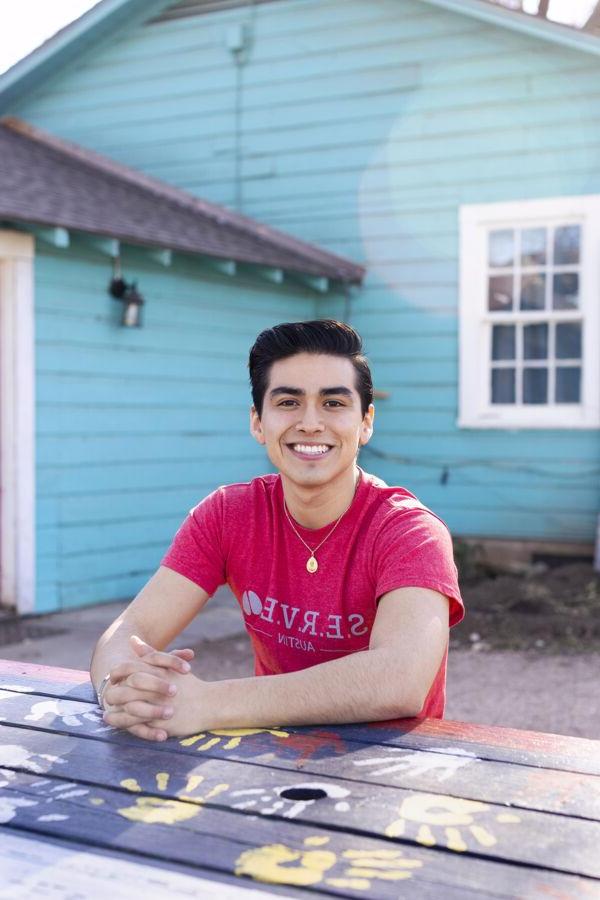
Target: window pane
x: 503, y: 342
x: 535, y: 341
x: 501, y: 248
x: 566, y: 291
x: 500, y: 293
x: 568, y: 384
x: 567, y: 239
x: 533, y: 291
x: 533, y: 246
x: 503, y: 385
x: 535, y: 385
x: 568, y: 340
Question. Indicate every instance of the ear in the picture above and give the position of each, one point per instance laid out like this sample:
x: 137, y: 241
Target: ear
x: 366, y: 428
x: 256, y: 427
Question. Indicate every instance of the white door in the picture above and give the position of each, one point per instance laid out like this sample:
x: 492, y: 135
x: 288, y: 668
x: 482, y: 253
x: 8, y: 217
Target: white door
x: 17, y: 422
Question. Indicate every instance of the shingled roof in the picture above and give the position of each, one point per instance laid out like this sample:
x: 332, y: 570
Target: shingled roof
x: 47, y: 181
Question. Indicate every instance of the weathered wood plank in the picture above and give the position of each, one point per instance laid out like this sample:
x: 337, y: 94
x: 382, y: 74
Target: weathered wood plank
x: 292, y: 853
x: 443, y: 818
x: 32, y: 867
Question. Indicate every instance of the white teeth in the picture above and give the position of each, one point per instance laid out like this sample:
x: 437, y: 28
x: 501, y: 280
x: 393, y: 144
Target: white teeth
x: 314, y: 449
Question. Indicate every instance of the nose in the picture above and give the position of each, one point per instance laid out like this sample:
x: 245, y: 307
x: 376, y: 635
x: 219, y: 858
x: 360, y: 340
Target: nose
x: 310, y: 421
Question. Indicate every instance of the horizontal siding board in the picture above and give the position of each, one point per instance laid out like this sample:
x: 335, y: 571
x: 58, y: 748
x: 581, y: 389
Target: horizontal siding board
x: 86, y: 539
x: 122, y: 586
x: 120, y: 506
x: 80, y: 449
x: 151, y: 394
x: 515, y: 447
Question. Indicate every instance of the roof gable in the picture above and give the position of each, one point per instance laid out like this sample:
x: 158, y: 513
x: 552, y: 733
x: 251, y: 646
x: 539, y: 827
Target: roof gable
x: 107, y: 16
x: 96, y: 25
x: 522, y: 23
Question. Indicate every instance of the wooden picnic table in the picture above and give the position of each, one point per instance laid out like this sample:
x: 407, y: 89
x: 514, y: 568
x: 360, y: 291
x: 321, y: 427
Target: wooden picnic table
x: 411, y: 808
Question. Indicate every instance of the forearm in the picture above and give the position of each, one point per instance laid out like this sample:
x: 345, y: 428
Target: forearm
x: 361, y: 687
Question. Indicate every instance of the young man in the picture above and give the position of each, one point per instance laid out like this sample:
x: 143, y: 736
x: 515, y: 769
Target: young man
x: 347, y: 586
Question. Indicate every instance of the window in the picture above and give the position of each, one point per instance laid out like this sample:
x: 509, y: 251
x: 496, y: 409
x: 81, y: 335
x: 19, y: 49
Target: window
x: 529, y: 320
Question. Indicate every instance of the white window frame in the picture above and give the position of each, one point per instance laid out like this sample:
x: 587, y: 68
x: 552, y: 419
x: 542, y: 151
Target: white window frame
x: 476, y: 221
x: 17, y: 421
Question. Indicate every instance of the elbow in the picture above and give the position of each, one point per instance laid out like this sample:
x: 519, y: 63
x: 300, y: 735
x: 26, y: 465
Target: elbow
x: 401, y: 705
x: 401, y: 693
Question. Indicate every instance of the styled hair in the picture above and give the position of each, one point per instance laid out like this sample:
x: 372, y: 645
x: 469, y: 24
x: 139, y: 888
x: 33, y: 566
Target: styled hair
x: 325, y: 336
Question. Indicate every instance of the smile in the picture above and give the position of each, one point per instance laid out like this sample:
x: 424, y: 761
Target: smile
x: 310, y: 450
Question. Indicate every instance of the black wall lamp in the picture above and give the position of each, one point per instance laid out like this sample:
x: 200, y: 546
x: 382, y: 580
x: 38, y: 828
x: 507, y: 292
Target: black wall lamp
x: 129, y: 296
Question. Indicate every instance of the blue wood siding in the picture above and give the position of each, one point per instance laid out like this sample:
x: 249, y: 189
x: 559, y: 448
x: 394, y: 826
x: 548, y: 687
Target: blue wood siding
x: 364, y: 126
x: 135, y: 426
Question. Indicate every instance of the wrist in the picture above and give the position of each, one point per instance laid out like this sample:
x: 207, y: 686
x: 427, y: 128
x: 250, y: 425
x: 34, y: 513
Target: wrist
x: 211, y: 706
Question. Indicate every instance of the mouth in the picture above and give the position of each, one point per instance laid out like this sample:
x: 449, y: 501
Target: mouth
x: 310, y: 451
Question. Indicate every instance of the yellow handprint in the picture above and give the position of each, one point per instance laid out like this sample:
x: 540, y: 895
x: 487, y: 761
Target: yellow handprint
x: 273, y: 864
x: 235, y: 735
x: 167, y: 811
x: 279, y: 864
x: 447, y: 813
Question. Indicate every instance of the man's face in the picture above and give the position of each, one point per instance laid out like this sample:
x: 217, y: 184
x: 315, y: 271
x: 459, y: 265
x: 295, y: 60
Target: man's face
x: 311, y: 422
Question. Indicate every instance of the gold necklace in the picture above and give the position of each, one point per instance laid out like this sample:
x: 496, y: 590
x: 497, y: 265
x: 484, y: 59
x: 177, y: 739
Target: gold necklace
x: 311, y: 564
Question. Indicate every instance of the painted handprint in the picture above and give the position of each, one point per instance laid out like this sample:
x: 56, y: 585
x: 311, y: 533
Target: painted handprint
x: 234, y: 735
x: 352, y: 868
x: 71, y: 712
x: 290, y: 800
x: 437, y: 761
x: 439, y: 820
x: 168, y: 810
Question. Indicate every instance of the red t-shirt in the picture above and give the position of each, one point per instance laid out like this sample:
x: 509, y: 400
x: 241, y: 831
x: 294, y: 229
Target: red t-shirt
x: 387, y: 539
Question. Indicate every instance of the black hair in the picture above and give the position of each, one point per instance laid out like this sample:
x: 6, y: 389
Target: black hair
x: 320, y: 336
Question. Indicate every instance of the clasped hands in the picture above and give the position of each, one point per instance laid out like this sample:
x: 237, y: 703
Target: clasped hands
x: 153, y: 696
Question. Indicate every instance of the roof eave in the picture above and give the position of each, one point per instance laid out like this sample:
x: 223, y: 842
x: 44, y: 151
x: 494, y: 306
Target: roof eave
x: 522, y: 23
x: 351, y: 274
x: 94, y: 26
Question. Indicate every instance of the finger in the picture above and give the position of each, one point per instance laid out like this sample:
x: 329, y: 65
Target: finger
x: 148, y: 733
x: 140, y: 647
x: 119, y: 718
x: 187, y: 653
x: 144, y: 710
x: 143, y: 649
x: 144, y: 681
x: 142, y: 704
x: 159, y: 664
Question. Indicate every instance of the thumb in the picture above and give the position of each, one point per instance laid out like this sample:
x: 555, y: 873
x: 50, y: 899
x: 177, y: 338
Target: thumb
x: 140, y: 646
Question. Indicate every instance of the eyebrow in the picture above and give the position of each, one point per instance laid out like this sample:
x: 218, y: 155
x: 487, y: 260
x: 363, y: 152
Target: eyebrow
x: 298, y: 392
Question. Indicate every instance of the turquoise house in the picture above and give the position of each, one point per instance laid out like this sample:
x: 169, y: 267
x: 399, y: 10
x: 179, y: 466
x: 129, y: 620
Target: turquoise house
x: 428, y: 170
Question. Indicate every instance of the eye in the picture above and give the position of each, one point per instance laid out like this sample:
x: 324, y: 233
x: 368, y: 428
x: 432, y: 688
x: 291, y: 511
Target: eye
x: 287, y: 403
x: 333, y: 403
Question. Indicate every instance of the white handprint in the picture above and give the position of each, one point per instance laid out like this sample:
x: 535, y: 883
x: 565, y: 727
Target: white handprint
x: 438, y: 760
x: 15, y: 756
x: 72, y: 712
x: 269, y: 800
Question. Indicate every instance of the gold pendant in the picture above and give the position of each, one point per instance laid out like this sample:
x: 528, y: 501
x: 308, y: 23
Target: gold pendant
x: 312, y: 565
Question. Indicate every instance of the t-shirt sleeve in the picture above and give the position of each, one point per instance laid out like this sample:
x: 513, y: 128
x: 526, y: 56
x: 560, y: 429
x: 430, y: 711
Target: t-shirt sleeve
x: 414, y: 549
x: 197, y: 549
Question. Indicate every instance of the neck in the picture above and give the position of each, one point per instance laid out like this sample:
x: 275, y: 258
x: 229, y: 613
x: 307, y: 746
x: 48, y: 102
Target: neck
x: 318, y: 505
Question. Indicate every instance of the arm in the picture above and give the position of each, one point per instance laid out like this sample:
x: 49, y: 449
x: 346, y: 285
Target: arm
x: 129, y: 650
x: 389, y: 680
